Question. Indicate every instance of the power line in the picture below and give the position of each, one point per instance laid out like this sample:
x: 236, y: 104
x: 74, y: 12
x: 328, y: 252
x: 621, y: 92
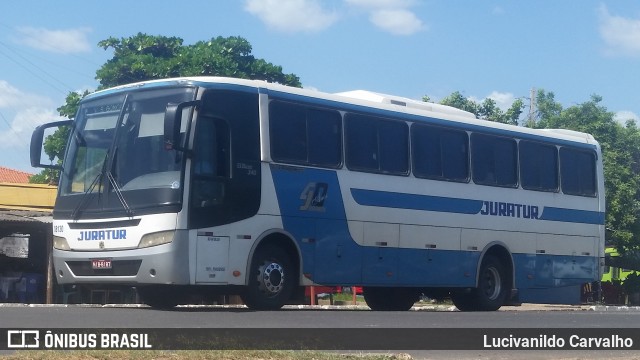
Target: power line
x: 63, y: 90
x: 29, y: 36
x: 9, y: 125
x: 59, y: 66
x: 15, y: 133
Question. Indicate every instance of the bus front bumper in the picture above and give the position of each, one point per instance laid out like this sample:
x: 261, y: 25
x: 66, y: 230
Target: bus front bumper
x: 162, y: 264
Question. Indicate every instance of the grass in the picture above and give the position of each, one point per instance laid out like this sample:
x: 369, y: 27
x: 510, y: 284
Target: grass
x: 196, y: 355
x: 347, y: 297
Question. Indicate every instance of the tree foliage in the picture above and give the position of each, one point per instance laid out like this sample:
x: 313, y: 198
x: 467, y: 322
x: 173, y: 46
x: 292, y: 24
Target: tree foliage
x: 146, y: 57
x: 487, y: 109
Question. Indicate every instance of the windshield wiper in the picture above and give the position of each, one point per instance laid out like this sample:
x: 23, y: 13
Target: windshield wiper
x: 116, y: 188
x: 85, y: 197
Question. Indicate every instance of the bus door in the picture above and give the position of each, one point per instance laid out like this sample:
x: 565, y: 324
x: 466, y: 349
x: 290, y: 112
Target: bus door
x: 225, y: 176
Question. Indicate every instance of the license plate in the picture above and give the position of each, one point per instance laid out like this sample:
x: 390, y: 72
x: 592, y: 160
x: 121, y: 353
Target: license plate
x: 101, y: 264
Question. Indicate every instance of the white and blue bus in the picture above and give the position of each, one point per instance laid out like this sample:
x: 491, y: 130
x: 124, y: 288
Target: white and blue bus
x: 217, y: 185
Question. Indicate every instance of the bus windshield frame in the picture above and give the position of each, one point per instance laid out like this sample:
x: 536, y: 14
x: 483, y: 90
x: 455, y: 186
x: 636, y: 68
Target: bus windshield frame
x: 116, y: 163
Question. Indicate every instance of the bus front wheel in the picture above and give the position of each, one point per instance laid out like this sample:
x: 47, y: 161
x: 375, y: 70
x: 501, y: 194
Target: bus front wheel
x: 159, y: 296
x: 491, y: 292
x: 271, y: 279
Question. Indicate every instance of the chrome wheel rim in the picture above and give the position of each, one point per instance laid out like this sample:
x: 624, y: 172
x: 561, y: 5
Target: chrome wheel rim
x: 271, y: 278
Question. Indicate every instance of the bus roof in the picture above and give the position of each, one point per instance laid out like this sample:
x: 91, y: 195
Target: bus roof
x: 409, y: 103
x: 365, y: 99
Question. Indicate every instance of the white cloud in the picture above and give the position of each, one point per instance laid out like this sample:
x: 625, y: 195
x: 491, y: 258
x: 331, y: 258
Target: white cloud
x: 23, y: 124
x: 397, y: 22
x: 16, y: 137
x: 11, y: 97
x: 503, y: 100
x: 381, y: 4
x: 20, y: 113
x: 392, y: 16
x: 292, y: 15
x: 621, y: 35
x: 623, y: 116
x: 58, y: 41
x: 498, y: 10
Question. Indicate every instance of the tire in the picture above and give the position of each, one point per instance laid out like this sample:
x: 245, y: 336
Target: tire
x: 464, y: 300
x: 390, y: 299
x: 492, y: 291
x: 272, y: 279
x: 159, y: 297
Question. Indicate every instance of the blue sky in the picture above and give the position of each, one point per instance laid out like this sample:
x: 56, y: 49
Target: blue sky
x: 498, y: 49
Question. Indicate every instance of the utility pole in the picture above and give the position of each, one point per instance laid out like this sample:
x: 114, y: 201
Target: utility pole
x: 532, y: 107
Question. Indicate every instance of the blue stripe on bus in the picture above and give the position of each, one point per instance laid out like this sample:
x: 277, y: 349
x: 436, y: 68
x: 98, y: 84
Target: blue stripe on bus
x: 573, y: 215
x: 462, y: 206
x: 416, y: 202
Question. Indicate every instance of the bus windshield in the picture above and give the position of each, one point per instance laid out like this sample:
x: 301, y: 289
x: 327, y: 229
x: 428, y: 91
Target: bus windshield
x: 117, y: 146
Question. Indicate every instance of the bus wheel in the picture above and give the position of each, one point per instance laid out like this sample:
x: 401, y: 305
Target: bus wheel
x: 270, y: 280
x: 389, y: 299
x: 491, y: 292
x: 159, y: 297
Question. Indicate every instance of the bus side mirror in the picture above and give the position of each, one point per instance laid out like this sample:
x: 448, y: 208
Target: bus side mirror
x: 37, y: 139
x: 173, y: 122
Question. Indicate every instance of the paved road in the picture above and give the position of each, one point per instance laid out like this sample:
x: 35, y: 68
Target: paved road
x: 532, y: 317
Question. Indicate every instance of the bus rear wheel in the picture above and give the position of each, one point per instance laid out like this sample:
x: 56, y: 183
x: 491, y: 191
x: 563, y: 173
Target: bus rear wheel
x: 390, y: 299
x: 492, y: 290
x: 271, y: 279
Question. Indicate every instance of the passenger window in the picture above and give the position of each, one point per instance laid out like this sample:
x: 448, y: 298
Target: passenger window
x: 377, y: 145
x: 440, y: 154
x: 494, y: 160
x: 578, y: 172
x: 303, y: 135
x: 538, y: 166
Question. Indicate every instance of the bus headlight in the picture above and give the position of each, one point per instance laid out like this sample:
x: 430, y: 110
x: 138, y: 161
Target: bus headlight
x: 60, y: 243
x: 156, y: 239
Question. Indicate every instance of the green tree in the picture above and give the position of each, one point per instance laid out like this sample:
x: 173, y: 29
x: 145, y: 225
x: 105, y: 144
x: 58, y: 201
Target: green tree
x: 487, y: 109
x: 457, y: 100
x: 547, y: 109
x: 146, y: 57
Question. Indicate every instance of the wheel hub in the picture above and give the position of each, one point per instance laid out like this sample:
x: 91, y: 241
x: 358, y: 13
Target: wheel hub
x: 492, y: 283
x: 271, y: 278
